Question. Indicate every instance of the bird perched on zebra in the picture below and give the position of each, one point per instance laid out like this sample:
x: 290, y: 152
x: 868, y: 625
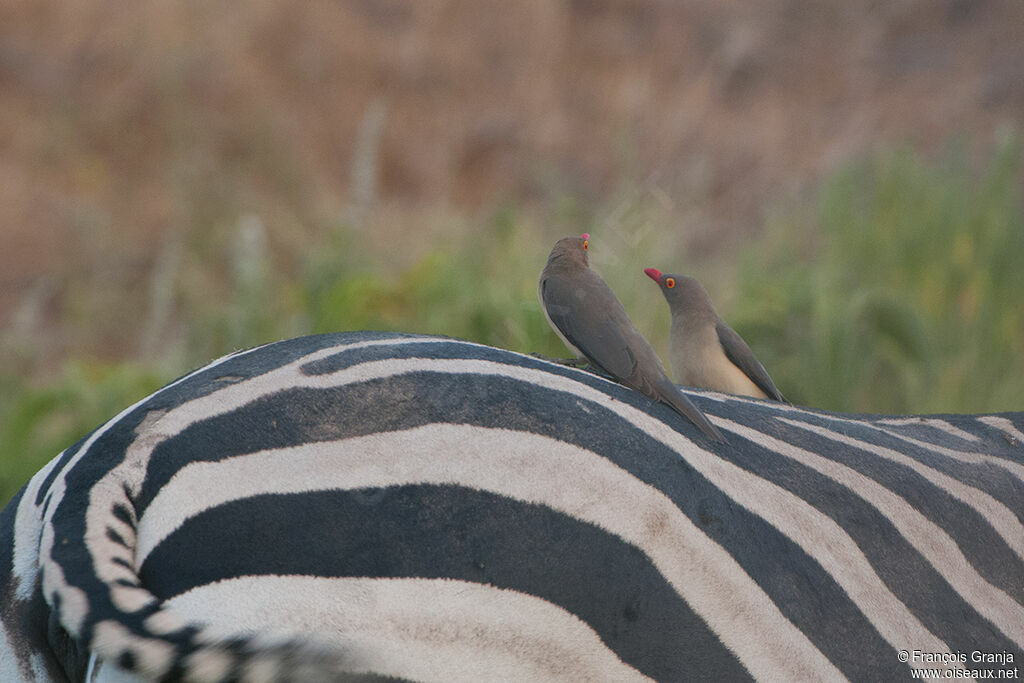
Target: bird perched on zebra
x: 367, y: 506
x: 587, y: 316
x: 703, y: 350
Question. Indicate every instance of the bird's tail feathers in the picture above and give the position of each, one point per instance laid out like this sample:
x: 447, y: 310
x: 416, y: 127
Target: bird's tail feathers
x: 671, y: 394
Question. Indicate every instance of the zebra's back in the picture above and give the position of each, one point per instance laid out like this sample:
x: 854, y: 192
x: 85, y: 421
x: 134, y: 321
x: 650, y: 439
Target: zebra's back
x: 429, y: 509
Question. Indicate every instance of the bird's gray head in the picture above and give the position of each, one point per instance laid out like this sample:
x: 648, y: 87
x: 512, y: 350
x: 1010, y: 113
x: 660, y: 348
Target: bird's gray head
x: 680, y: 290
x: 570, y: 250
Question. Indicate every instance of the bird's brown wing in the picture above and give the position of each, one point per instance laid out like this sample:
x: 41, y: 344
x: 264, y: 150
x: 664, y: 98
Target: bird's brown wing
x: 587, y: 312
x: 737, y: 351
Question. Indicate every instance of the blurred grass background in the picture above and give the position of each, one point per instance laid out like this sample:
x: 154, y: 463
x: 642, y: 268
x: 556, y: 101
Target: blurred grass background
x: 171, y: 198
x: 897, y: 289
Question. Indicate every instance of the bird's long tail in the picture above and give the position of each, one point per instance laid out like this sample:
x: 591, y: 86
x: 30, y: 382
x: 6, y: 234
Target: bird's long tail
x: 669, y: 393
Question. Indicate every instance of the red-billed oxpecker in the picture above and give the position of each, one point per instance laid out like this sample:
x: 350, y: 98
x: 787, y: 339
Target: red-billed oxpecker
x: 585, y: 313
x: 703, y: 350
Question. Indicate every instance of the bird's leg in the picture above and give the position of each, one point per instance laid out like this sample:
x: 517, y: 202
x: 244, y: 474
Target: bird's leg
x: 571, y: 362
x: 578, y: 363
x: 594, y: 370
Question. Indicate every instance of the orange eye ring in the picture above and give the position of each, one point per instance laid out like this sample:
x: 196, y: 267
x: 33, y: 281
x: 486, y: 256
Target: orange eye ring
x: 586, y: 243
x: 670, y: 282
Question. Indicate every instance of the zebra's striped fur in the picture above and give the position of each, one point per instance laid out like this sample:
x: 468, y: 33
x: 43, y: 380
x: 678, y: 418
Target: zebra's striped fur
x: 430, y: 509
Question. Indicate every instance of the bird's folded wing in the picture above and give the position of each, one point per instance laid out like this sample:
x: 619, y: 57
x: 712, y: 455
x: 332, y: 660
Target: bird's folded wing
x: 742, y: 357
x: 588, y: 314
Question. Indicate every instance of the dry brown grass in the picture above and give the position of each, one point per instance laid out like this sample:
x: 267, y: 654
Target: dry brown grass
x: 123, y: 122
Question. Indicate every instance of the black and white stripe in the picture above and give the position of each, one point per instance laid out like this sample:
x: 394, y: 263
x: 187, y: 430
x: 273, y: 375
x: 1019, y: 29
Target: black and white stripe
x: 430, y: 509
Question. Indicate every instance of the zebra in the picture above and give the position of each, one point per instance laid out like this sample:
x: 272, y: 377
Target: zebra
x: 374, y: 506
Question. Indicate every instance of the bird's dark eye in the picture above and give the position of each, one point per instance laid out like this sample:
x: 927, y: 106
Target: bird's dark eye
x: 585, y: 244
x: 670, y: 282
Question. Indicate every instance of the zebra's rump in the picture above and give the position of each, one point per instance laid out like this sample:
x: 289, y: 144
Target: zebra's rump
x: 430, y: 509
